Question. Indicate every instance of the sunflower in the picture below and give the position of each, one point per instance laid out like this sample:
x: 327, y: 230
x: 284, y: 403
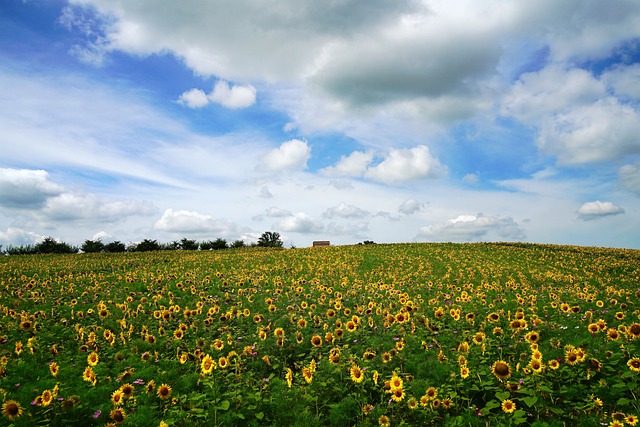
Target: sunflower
x: 54, y: 369
x: 46, y: 397
x: 501, y: 370
x: 508, y: 406
x: 553, y: 364
x: 316, y: 341
x: 164, y: 391
x: 26, y: 324
x: 634, y: 330
x: 398, y: 394
x: 395, y: 383
x: 631, y: 419
x: 634, y: 364
x: 412, y: 403
x: 223, y: 362
x: 431, y: 393
x: 464, y: 372
x: 613, y: 334
x: 289, y: 377
x: 447, y: 403
x: 207, y: 365
x: 11, y: 410
x: 117, y: 397
x: 493, y: 317
x: 532, y: 337
x: 386, y: 357
x: 383, y: 421
x: 356, y: 374
x: 572, y: 357
x: 127, y: 390
x: 308, y: 375
x: 536, y: 365
x: 88, y: 374
x: 117, y: 415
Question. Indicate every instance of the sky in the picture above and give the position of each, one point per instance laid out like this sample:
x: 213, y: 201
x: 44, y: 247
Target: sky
x: 344, y: 120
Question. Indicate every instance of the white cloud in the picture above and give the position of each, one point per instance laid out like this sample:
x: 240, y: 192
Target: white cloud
x: 79, y: 206
x: 234, y: 97
x: 291, y: 155
x: 26, y: 188
x: 300, y: 223
x: 194, y: 98
x: 629, y: 176
x: 410, y: 206
x: 265, y: 193
x: 275, y: 212
x: 470, y: 178
x: 355, y: 164
x: 344, y: 210
x: 189, y: 222
x: 598, y: 209
x: 409, y: 164
x: 14, y: 236
x: 466, y: 228
x: 624, y: 80
x: 577, y: 121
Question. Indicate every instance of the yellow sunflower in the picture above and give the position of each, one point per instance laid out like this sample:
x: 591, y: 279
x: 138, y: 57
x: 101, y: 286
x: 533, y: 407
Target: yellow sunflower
x: 117, y: 397
x: 117, y: 415
x: 501, y: 370
x: 11, y: 410
x: 357, y: 376
x: 634, y: 364
x: 164, y: 391
x: 207, y: 365
x: 508, y: 406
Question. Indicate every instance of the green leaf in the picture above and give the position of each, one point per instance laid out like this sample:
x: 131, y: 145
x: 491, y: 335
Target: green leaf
x: 240, y: 415
x: 224, y: 405
x: 530, y: 401
x: 502, y: 395
x: 260, y: 415
x: 623, y: 401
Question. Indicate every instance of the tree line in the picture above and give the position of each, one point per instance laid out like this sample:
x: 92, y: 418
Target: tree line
x: 50, y: 245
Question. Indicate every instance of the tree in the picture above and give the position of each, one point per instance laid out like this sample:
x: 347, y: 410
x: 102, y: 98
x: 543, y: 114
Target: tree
x: 116, y: 246
x: 238, y: 244
x: 91, y: 246
x: 270, y: 239
x: 188, y: 245
x: 145, y: 246
x: 51, y: 246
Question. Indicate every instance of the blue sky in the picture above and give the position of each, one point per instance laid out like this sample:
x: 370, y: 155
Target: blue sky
x: 398, y: 121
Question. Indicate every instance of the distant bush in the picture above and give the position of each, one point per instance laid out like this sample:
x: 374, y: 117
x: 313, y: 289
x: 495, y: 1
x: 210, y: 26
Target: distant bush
x: 188, y: 245
x: 147, y: 245
x: 51, y: 246
x: 270, y: 239
x: 115, y: 247
x: 92, y: 246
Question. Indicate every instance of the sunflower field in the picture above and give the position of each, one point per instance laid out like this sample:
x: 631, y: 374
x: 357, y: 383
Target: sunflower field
x: 371, y: 335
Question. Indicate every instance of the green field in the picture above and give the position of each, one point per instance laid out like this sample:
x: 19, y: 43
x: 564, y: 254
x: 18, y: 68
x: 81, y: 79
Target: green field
x: 405, y: 334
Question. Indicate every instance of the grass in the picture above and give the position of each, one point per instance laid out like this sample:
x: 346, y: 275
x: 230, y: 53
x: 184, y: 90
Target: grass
x: 441, y: 334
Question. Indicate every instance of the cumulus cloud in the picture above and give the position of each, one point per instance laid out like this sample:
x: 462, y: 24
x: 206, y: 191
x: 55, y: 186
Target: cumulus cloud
x: 470, y: 178
x: 465, y: 228
x: 357, y: 230
x: 233, y: 97
x: 629, y: 176
x: 355, y: 164
x: 275, y: 212
x: 598, y: 209
x: 577, y: 121
x: 406, y: 164
x: 291, y: 155
x: 26, y: 188
x: 79, y: 206
x: 18, y: 237
x: 189, y: 222
x: 194, y: 98
x: 344, y: 210
x: 300, y: 223
x: 410, y: 206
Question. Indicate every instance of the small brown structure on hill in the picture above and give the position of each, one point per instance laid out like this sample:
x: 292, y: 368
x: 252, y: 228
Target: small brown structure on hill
x: 321, y: 243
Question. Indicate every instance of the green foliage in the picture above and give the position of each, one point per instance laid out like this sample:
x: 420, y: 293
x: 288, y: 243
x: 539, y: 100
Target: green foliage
x: 116, y: 246
x: 418, y: 312
x: 188, y: 245
x: 51, y: 246
x: 270, y: 239
x: 92, y: 246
